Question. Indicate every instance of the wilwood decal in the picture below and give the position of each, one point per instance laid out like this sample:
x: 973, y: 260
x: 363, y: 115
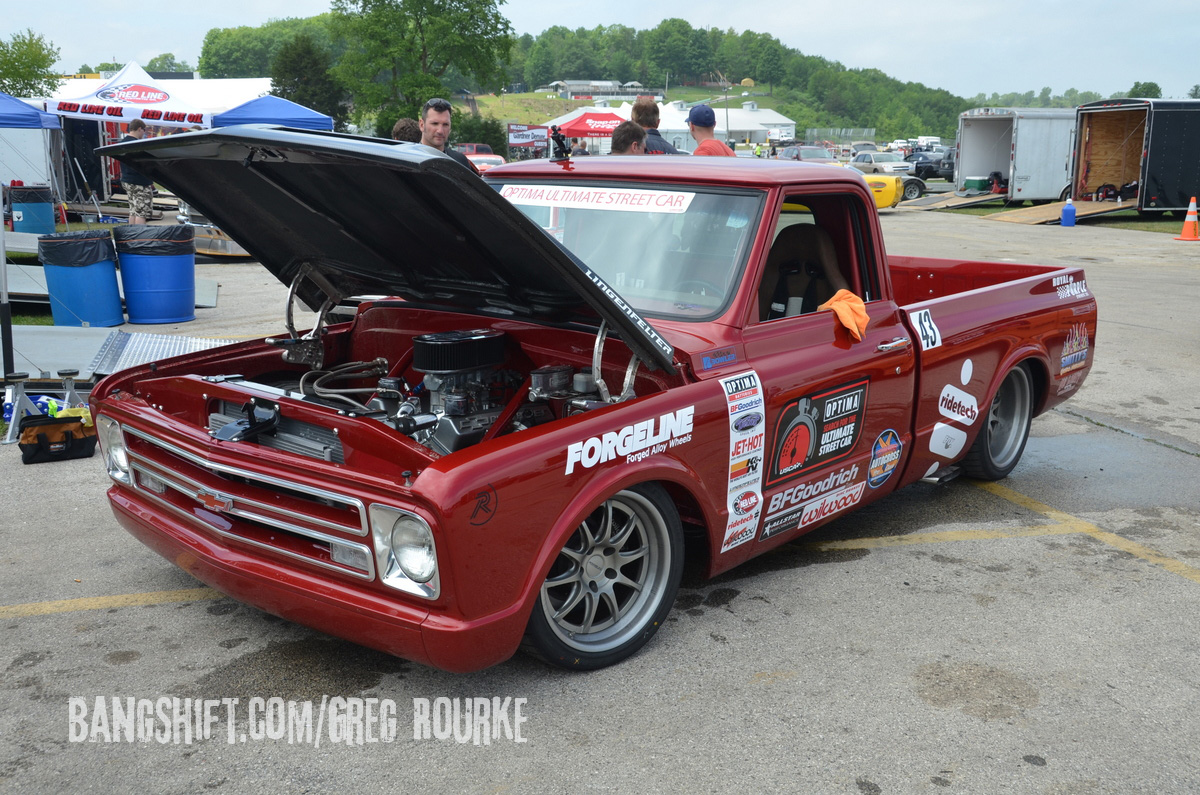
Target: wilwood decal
x: 816, y: 430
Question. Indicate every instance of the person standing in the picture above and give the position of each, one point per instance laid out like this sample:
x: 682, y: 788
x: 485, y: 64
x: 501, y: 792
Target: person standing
x: 407, y: 130
x: 702, y: 122
x: 138, y: 187
x: 629, y: 139
x: 578, y: 149
x: 645, y: 113
x: 435, y: 131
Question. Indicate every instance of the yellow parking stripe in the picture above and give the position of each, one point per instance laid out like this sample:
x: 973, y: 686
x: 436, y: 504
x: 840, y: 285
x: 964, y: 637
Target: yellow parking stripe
x: 106, y: 602
x: 1112, y: 539
x: 1062, y: 524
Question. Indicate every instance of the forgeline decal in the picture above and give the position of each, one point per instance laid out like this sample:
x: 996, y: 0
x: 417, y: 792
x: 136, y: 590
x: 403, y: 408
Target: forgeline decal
x: 816, y: 430
x: 885, y: 456
x: 633, y: 442
x: 807, y: 503
x: 747, y: 438
x: 1075, y: 349
x: 717, y: 358
x: 1067, y: 287
x: 958, y: 406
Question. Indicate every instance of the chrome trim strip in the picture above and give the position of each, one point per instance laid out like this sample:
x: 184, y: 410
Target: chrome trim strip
x: 287, y: 553
x: 355, y: 503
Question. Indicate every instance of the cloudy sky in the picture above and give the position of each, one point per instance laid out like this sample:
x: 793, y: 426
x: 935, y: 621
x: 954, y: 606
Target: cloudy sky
x: 964, y: 46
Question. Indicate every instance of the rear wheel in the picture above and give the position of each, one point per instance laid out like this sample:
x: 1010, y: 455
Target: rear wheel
x: 613, y: 583
x: 912, y: 190
x: 1001, y: 440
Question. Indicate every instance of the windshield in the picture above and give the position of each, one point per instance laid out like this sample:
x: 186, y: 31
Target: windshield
x: 814, y: 153
x: 670, y: 252
x: 888, y: 157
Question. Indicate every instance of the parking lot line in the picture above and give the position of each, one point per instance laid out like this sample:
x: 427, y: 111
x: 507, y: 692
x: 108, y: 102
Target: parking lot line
x: 106, y: 602
x: 1061, y: 524
x: 1112, y: 539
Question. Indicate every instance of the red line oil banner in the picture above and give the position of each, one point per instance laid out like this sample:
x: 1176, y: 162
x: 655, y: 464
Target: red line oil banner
x: 747, y: 437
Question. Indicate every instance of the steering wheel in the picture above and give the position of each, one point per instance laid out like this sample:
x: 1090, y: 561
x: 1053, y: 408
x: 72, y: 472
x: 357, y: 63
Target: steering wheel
x: 699, y: 287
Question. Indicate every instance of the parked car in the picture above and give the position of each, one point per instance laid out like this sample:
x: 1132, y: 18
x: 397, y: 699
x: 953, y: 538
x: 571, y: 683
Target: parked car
x: 593, y: 372
x: 879, y: 163
x: 862, y: 146
x: 923, y: 165
x: 889, y: 194
x: 946, y: 166
x: 473, y: 149
x: 808, y: 154
x: 484, y: 162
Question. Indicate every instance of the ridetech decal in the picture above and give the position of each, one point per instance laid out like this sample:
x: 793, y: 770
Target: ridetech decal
x: 1075, y: 349
x: 885, y: 455
x: 633, y: 442
x: 816, y: 430
x: 134, y: 93
x: 747, y: 438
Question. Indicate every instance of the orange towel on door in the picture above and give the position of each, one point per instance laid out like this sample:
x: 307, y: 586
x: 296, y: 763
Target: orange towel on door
x: 850, y: 311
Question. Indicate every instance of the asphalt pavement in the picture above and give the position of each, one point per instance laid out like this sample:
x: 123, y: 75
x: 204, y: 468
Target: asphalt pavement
x: 1036, y: 635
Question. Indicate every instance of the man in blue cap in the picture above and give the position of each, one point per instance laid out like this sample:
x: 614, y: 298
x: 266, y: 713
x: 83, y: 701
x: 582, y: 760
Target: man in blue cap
x: 702, y: 122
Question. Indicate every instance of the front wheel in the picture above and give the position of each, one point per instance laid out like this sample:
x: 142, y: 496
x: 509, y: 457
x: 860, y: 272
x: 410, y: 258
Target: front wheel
x: 1001, y: 440
x: 613, y: 583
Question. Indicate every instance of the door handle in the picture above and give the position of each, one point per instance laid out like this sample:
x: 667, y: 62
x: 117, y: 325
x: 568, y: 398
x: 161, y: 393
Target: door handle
x: 898, y: 343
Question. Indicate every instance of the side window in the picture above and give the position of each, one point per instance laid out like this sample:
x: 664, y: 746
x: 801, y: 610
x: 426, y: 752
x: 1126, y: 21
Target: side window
x: 814, y: 255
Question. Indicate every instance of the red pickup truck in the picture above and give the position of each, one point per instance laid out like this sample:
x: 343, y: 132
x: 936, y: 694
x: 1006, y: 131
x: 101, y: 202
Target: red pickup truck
x: 583, y: 372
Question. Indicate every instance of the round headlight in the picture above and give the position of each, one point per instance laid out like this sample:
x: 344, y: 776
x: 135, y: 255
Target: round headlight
x: 412, y: 546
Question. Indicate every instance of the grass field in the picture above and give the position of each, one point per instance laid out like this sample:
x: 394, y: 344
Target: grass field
x: 1124, y: 219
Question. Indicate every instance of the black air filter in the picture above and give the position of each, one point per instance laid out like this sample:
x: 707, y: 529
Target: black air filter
x: 458, y: 351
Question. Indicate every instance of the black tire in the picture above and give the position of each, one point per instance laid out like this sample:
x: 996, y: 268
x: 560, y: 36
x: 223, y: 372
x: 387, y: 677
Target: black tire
x: 1066, y: 194
x: 613, y: 583
x: 1001, y: 440
x: 913, y: 190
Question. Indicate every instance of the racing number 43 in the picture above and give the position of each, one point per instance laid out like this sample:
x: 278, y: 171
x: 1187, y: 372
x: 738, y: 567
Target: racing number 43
x: 927, y: 330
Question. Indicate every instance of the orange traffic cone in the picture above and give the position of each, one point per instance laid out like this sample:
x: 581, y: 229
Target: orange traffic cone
x: 1191, y: 229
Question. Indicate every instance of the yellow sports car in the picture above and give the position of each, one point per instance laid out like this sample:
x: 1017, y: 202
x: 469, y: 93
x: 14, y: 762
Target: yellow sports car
x: 891, y: 189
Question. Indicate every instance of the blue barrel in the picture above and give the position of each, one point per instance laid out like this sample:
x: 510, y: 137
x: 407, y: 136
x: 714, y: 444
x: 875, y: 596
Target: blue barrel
x: 32, y: 209
x: 158, y: 272
x: 81, y: 277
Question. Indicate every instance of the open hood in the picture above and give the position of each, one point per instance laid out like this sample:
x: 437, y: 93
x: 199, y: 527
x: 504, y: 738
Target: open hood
x: 373, y: 216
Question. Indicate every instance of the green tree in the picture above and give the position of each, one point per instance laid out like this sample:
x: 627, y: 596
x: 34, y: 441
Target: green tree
x: 468, y: 128
x: 26, y: 65
x: 770, y: 64
x: 248, y: 52
x: 167, y: 63
x: 397, y: 50
x: 1145, y: 90
x: 539, y: 66
x: 301, y: 73
x: 109, y: 66
x: 84, y: 69
x: 1195, y: 92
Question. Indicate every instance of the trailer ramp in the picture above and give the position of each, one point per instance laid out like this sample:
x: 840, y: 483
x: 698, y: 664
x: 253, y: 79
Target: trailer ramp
x: 952, y: 201
x: 1052, y: 213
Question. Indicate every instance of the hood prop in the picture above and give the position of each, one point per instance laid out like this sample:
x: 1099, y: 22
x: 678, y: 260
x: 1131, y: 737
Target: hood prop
x: 307, y: 349
x: 598, y: 376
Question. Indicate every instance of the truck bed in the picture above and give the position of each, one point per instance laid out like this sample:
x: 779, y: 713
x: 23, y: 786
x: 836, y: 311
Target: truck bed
x: 918, y: 279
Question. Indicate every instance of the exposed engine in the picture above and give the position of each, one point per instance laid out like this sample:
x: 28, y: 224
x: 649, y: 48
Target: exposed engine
x: 464, y: 392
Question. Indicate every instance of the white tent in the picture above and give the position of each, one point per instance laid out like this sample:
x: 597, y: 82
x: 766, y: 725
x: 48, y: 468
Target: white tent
x: 133, y: 94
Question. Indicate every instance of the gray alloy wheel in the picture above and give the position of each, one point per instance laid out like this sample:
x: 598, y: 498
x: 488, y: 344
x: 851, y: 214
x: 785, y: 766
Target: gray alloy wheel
x: 1001, y: 440
x: 912, y: 190
x: 613, y: 583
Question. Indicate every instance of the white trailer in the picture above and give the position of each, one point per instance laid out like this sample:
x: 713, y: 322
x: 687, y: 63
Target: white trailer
x: 1030, y: 147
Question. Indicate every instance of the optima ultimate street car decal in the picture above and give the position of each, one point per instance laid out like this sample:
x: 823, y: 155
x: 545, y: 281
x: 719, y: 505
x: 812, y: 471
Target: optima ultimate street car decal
x: 816, y: 430
x: 747, y: 434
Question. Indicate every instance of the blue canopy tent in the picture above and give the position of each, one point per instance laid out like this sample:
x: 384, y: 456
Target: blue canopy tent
x: 17, y: 115
x: 273, y: 110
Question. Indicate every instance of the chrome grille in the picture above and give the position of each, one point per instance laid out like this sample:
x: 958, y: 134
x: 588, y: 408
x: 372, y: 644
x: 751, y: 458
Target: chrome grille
x: 248, y: 506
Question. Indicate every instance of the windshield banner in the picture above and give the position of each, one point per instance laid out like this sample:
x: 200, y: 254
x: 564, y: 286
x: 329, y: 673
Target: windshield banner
x: 592, y: 198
